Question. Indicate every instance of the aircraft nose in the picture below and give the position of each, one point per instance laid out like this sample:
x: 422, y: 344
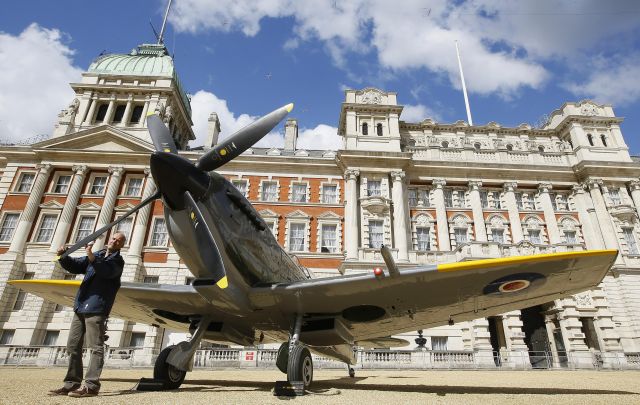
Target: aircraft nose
x: 174, y: 175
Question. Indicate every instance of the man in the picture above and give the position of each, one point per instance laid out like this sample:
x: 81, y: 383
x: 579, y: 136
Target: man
x: 91, y: 308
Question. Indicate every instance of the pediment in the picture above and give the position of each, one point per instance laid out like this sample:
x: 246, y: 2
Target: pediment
x: 267, y: 214
x: 298, y: 214
x: 301, y: 152
x: 101, y: 138
x: 124, y: 207
x: 329, y: 215
x: 52, y: 204
x: 274, y: 152
x: 90, y: 206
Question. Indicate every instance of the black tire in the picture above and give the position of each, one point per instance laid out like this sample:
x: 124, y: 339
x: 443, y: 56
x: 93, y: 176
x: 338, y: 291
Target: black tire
x: 352, y: 372
x: 170, y: 376
x: 282, y: 360
x: 300, y: 367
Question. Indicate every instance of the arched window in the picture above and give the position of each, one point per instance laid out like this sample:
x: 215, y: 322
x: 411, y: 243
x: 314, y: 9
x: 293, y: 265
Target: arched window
x: 590, y: 139
x: 604, y: 139
x: 379, y: 129
x: 476, y: 146
x: 541, y: 149
x: 445, y: 144
x: 509, y: 147
x: 365, y: 129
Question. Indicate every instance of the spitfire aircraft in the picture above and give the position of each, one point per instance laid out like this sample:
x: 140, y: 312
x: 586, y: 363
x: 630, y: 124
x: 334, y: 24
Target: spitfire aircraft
x: 248, y: 290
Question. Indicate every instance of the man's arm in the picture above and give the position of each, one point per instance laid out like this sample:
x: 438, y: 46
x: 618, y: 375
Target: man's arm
x: 75, y: 265
x: 108, y: 267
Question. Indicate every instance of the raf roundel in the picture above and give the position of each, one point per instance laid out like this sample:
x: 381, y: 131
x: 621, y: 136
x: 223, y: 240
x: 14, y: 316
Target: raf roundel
x: 514, y: 283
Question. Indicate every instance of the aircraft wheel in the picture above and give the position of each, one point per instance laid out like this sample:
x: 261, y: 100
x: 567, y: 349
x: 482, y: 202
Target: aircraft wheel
x: 170, y: 376
x: 282, y: 359
x: 352, y: 372
x: 300, y: 367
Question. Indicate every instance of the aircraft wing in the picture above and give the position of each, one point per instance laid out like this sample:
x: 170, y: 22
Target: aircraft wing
x: 373, y: 306
x: 153, y: 304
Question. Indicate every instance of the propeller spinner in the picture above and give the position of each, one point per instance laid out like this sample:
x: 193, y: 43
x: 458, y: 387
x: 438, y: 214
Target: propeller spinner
x: 182, y: 184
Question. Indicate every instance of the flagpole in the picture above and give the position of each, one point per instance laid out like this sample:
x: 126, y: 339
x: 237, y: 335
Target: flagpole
x: 464, y: 87
x: 164, y: 23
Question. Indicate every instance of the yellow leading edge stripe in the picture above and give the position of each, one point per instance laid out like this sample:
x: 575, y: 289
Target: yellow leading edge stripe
x: 223, y: 283
x: 481, y: 264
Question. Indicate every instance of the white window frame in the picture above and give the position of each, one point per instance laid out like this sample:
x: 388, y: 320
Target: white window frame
x: 304, y: 184
x: 235, y: 183
x: 137, y: 334
x: 329, y: 218
x: 39, y: 224
x: 20, y: 178
x: 323, y: 194
x: 78, y: 221
x: 260, y: 191
x: 632, y: 233
x: 297, y: 217
x: 615, y: 196
x: 422, y: 197
x: 132, y: 219
x: 374, y: 192
x: 57, y: 178
x: 370, y: 245
x: 498, y: 222
x: 2, y: 224
x: 305, y: 240
x: 47, y: 335
x: 442, y: 343
x: 271, y: 217
x: 127, y: 182
x: 91, y: 182
x: 423, y: 220
x: 152, y: 232
x: 534, y: 224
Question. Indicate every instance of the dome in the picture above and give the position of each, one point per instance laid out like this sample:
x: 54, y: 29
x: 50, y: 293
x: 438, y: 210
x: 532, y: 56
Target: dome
x: 146, y: 60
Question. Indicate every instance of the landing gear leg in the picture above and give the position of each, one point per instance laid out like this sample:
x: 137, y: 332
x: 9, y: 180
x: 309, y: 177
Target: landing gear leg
x: 300, y: 364
x: 173, y: 362
x: 352, y: 371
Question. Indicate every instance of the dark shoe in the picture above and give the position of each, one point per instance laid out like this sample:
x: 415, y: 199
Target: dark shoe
x: 63, y: 390
x: 82, y: 392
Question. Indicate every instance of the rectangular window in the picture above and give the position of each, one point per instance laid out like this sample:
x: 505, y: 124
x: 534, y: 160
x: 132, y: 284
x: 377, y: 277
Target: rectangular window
x: 484, y: 199
x: 329, y: 238
x: 272, y: 226
x: 439, y: 343
x: 137, y: 339
x: 298, y: 192
x: 62, y: 184
x: 423, y: 239
x: 459, y: 201
x: 297, y: 234
x: 423, y: 197
x: 159, y: 234
x: 570, y: 237
x: 51, y: 338
x: 47, y: 225
x: 136, y: 114
x: 374, y: 188
x: 102, y: 112
x: 151, y: 279
x: 534, y: 236
x: 22, y: 296
x: 85, y: 227
x: 413, y: 197
x: 460, y: 235
x: 98, y: 185
x: 134, y: 187
x: 497, y: 235
x: 614, y: 194
x: 630, y: 238
x: 554, y: 202
x: 9, y: 223
x: 26, y: 181
x: 376, y: 235
x: 269, y: 191
x: 6, y: 337
x: 117, y: 116
x: 519, y: 202
x: 496, y: 200
x: 124, y: 227
x: 561, y: 202
x: 241, y: 186
x: 329, y: 193
x: 448, y: 198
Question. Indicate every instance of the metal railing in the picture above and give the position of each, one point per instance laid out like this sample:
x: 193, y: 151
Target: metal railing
x: 128, y: 357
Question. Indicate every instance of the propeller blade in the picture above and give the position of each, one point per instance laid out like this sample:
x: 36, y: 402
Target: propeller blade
x: 242, y: 140
x: 160, y: 135
x: 83, y: 242
x: 206, y: 243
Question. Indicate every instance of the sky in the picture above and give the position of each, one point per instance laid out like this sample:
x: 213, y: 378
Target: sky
x: 242, y: 59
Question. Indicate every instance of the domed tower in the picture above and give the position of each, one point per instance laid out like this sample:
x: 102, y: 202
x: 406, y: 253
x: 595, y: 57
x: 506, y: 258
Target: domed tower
x: 120, y: 90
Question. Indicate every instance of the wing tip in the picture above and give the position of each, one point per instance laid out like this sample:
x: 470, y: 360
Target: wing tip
x: 289, y: 107
x: 223, y: 283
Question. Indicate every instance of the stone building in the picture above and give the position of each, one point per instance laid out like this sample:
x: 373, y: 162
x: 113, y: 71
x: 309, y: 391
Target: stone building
x: 433, y: 192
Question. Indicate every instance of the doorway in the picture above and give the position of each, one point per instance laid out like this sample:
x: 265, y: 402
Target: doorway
x: 535, y: 336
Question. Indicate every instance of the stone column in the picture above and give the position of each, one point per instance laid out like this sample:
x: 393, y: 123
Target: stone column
x: 92, y: 110
x: 399, y: 215
x: 83, y: 108
x: 351, y: 231
x: 591, y: 238
x: 29, y: 214
x: 66, y: 217
x: 476, y: 207
x: 127, y: 112
x: 549, y: 213
x: 109, y: 202
x: 512, y: 209
x: 109, y: 115
x: 145, y: 111
x: 140, y: 228
x: 602, y: 214
x: 634, y: 186
x: 444, y: 244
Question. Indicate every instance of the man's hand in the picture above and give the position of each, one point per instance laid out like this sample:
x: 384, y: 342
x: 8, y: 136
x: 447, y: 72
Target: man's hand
x: 61, y: 250
x: 90, y: 254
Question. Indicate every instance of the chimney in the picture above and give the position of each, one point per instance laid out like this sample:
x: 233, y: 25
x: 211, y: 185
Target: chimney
x: 213, y: 131
x: 290, y: 134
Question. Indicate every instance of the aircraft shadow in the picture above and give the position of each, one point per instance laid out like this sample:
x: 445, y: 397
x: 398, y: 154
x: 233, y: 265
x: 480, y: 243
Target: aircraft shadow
x: 328, y: 387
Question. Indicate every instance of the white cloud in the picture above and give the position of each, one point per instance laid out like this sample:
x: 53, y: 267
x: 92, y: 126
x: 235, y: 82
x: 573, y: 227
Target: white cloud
x: 35, y: 74
x: 615, y: 82
x: 322, y: 137
x: 504, y: 44
x: 418, y: 113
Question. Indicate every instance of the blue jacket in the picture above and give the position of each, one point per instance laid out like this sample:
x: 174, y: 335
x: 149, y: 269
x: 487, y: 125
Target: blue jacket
x: 100, y: 284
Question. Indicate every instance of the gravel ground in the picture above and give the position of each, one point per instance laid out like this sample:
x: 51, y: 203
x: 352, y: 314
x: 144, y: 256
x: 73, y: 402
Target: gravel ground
x: 233, y: 386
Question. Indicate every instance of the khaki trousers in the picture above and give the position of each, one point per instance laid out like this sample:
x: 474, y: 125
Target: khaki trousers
x: 93, y: 327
